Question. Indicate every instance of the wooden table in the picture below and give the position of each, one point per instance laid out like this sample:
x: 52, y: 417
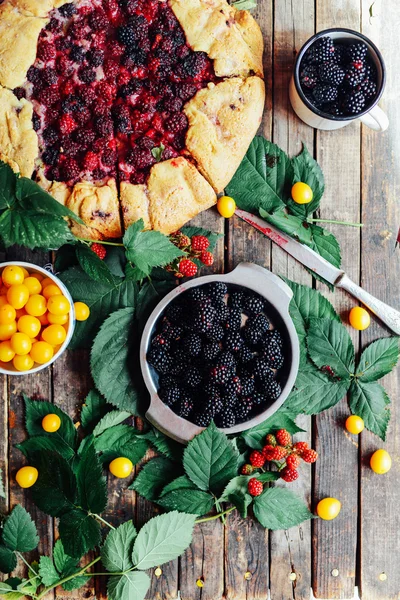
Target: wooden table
x: 362, y: 173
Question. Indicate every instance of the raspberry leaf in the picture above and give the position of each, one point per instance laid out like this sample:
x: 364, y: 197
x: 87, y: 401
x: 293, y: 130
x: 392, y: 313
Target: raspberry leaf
x: 93, y: 410
x: 8, y: 181
x: 33, y: 229
x: 245, y: 4
x: 278, y: 508
x: 65, y: 565
x: 314, y: 391
x: 149, y: 296
x: 55, y: 490
x: 47, y: 571
x: 210, y: 460
x: 154, y: 476
x: 115, y: 417
x: 157, y: 152
x: 290, y: 224
x: 8, y: 562
x: 116, y: 553
x: 307, y: 170
x: 369, y: 401
x: 162, y: 539
x: 165, y: 445
x: 79, y: 532
x: 284, y: 418
x: 330, y: 347
x: 35, y: 410
x: 32, y: 197
x: 378, y: 359
x: 121, y: 440
x: 42, y: 443
x: 92, y: 485
x: 188, y: 500
x: 148, y: 249
x: 93, y: 266
x: 131, y: 585
x: 19, y: 531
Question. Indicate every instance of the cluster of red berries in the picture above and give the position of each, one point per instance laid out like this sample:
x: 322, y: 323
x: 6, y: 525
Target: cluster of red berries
x: 279, y: 447
x: 195, y: 247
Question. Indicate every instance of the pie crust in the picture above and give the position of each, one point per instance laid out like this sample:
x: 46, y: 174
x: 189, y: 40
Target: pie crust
x: 222, y: 119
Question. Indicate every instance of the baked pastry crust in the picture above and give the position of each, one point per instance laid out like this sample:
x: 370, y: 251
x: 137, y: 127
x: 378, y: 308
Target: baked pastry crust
x: 135, y: 204
x: 37, y: 8
x: 18, y: 141
x: 223, y: 119
x: 18, y: 41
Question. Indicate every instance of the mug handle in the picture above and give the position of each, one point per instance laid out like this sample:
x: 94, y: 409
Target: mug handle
x: 375, y: 119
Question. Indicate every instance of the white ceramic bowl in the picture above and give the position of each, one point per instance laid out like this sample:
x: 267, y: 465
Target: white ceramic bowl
x: 278, y: 295
x: 10, y: 369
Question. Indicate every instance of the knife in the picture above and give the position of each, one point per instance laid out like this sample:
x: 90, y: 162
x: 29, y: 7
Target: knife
x: 307, y: 257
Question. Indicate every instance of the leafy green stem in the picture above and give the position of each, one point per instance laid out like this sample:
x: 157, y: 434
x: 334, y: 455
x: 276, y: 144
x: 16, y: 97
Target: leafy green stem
x: 214, y: 517
x: 348, y: 223
x: 100, y: 242
x: 62, y: 581
x: 102, y: 520
x: 27, y: 564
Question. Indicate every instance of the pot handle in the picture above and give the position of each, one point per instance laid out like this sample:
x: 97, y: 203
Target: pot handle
x: 247, y: 271
x: 375, y: 119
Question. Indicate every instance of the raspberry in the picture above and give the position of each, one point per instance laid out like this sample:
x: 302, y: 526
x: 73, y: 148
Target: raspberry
x: 91, y: 161
x: 207, y: 258
x: 293, y: 462
x: 257, y: 459
x: 274, y: 452
x: 283, y: 437
x: 255, y: 487
x: 98, y: 21
x: 49, y: 95
x: 271, y: 439
x: 46, y: 51
x: 99, y: 250
x: 309, y: 456
x: 70, y: 169
x: 187, y: 268
x: 268, y: 452
x: 300, y: 447
x: 177, y: 122
x: 67, y: 124
x: 289, y: 475
x: 247, y: 469
x: 87, y: 94
x: 200, y: 243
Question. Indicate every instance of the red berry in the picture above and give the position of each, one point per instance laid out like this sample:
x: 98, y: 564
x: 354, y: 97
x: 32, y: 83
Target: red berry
x: 271, y: 440
x: 289, y: 475
x: 274, y: 452
x: 300, y: 447
x: 255, y: 487
x: 309, y: 456
x: 268, y: 452
x: 207, y: 258
x: 247, y: 469
x: 99, y: 250
x: 293, y: 461
x: 283, y: 437
x: 200, y: 243
x: 187, y: 268
x: 183, y: 241
x: 91, y: 161
x: 67, y: 124
x: 257, y: 459
x: 46, y: 51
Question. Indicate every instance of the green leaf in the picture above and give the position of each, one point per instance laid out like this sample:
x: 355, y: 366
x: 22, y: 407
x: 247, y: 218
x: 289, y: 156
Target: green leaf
x: 8, y: 181
x: 369, y: 401
x: 79, y: 532
x: 378, y: 359
x: 2, y: 490
x: 326, y: 245
x: 93, y: 266
x: 282, y: 419
x: 116, y: 554
x: 75, y: 583
x: 33, y: 197
x: 33, y: 229
x: 290, y: 224
x: 263, y: 179
x: 102, y: 299
x: 165, y: 445
x: 314, y: 391
x: 180, y: 483
x: 55, y: 490
x: 154, y: 476
x: 210, y: 460
x: 126, y: 587
x: 148, y: 249
x: 19, y: 532
x: 238, y: 485
x: 157, y: 152
x: 162, y: 539
x: 245, y: 4
x: 115, y: 417
x: 65, y: 564
x: 92, y: 485
x: 278, y: 508
x: 329, y: 344
x: 47, y: 571
x: 121, y: 440
x: 95, y: 407
x: 188, y: 500
x: 40, y: 443
x: 112, y: 363
x: 35, y: 410
x: 8, y: 560
x: 307, y: 170
x: 149, y: 296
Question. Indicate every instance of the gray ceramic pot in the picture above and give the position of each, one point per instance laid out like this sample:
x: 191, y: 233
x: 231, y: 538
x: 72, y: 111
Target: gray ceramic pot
x: 278, y: 295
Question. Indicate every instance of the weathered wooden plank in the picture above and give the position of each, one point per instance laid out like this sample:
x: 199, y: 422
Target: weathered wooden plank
x: 336, y: 472
x: 380, y: 269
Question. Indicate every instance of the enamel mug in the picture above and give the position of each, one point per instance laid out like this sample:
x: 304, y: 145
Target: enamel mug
x: 372, y: 115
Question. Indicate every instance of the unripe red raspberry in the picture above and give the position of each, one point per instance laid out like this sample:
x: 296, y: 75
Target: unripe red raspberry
x: 183, y: 241
x: 257, y: 459
x: 268, y: 452
x: 271, y: 440
x: 207, y: 258
x: 187, y: 268
x: 300, y: 447
x: 289, y: 475
x: 309, y: 456
x: 255, y: 487
x: 279, y: 453
x: 199, y: 243
x: 247, y: 469
x: 99, y: 250
x: 293, y: 461
x: 283, y: 437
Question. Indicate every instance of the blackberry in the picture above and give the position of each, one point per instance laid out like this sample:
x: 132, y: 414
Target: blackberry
x: 261, y: 369
x: 192, y: 377
x: 353, y: 103
x: 340, y: 55
x: 192, y: 344
x: 331, y: 73
x: 86, y: 74
x: 227, y: 359
x: 234, y: 320
x: 233, y: 386
x: 126, y: 35
x: 220, y: 374
x: 233, y: 341
x: 253, y: 305
x: 203, y: 316
x: 272, y: 389
x: 203, y: 419
x: 354, y: 75
x: 171, y: 331
x: 309, y: 77
x: 51, y: 155
x: 273, y: 356
x: 36, y: 123
x: 368, y: 88
x: 160, y: 360
x: 161, y: 341
x: 272, y: 337
x: 170, y: 395
x: 196, y: 293
x: 50, y: 135
x: 357, y: 52
x: 212, y: 405
x: 222, y: 311
x: 226, y: 419
x: 217, y: 291
x: 50, y: 76
x: 229, y: 400
x: 245, y: 355
x: 95, y: 57
x: 334, y: 108
x: 34, y: 75
x: 242, y: 409
x: 325, y: 93
x: 248, y: 386
x: 68, y: 10
x: 216, y: 333
x: 259, y: 399
x: 77, y: 54
x: 174, y: 312
x: 321, y: 51
x: 185, y: 91
x: 236, y: 299
x: 370, y: 72
x: 211, y: 350
x: 103, y: 125
x: 176, y: 122
x: 185, y: 405
x: 193, y: 64
x: 167, y: 381
x: 252, y: 335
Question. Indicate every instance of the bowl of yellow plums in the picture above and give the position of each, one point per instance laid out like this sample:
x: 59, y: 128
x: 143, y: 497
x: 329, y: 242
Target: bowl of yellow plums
x: 37, y: 318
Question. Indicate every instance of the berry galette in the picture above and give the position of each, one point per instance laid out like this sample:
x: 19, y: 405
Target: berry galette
x: 128, y: 109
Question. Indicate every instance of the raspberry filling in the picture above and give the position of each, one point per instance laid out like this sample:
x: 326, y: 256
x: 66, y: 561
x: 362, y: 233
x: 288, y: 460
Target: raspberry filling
x: 108, y: 89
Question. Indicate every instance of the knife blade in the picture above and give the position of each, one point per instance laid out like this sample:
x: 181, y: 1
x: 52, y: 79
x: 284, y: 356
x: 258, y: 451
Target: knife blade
x: 316, y: 263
